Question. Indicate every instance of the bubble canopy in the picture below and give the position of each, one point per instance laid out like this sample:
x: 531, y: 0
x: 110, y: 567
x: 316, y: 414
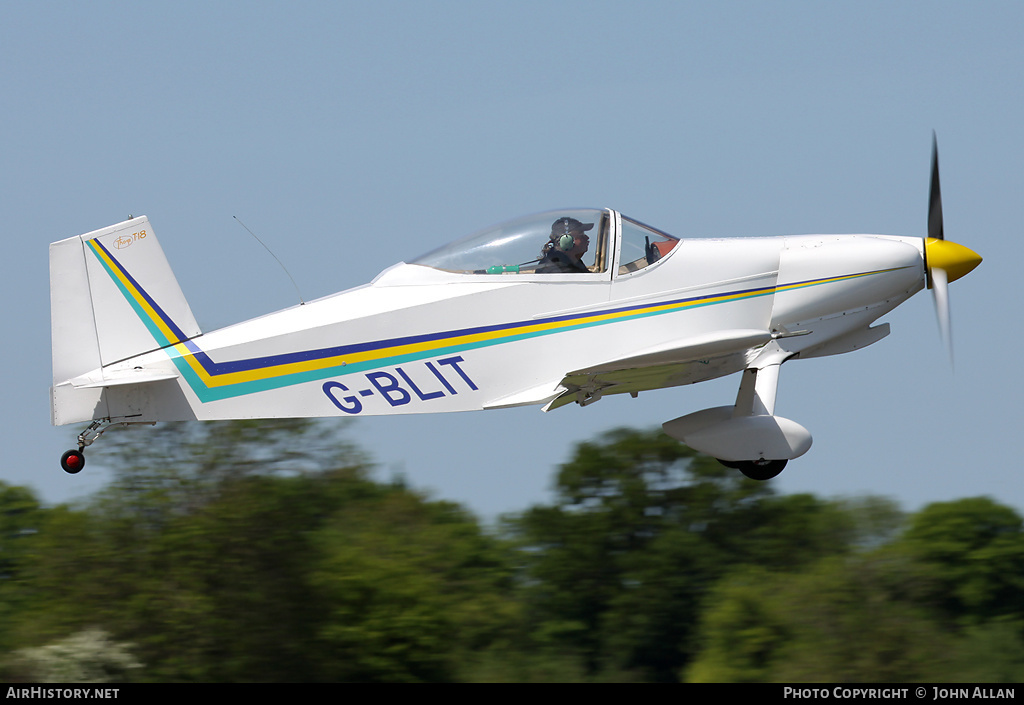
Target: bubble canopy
x: 519, y: 246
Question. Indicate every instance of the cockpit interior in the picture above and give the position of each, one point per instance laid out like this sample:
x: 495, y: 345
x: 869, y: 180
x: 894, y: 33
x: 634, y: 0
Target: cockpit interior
x: 527, y: 246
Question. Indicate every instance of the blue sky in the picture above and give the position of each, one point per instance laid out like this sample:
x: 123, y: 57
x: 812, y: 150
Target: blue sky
x: 350, y: 136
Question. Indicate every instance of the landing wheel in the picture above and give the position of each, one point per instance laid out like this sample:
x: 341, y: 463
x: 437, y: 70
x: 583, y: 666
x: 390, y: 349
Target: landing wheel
x: 757, y: 469
x: 73, y: 461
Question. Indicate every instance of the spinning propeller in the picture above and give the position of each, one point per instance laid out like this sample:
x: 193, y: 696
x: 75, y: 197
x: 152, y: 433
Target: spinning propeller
x: 945, y: 261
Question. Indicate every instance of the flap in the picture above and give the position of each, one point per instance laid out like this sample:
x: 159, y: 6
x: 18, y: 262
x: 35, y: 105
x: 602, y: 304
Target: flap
x: 540, y: 394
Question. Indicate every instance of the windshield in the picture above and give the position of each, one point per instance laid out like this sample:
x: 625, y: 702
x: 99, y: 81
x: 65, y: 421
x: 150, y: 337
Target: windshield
x: 642, y: 245
x: 563, y: 241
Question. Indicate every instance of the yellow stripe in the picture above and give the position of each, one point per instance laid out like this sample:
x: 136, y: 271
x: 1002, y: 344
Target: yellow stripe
x: 284, y: 369
x: 135, y: 293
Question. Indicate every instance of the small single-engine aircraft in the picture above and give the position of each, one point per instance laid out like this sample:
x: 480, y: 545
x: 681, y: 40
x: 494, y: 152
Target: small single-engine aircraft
x: 560, y: 307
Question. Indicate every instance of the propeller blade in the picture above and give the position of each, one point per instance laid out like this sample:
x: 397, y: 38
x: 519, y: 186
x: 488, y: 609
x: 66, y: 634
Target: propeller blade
x: 935, y: 195
x: 945, y: 261
x: 940, y: 292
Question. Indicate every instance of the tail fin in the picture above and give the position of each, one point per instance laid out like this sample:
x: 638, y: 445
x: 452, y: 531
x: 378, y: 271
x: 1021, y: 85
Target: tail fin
x: 112, y: 296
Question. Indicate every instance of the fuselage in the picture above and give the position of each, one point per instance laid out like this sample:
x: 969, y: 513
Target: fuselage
x: 422, y: 338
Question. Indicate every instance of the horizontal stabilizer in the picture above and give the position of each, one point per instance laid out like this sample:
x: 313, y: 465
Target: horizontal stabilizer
x: 121, y: 378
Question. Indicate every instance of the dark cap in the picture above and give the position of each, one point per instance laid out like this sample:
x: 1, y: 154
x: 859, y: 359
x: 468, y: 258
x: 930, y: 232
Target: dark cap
x: 565, y: 226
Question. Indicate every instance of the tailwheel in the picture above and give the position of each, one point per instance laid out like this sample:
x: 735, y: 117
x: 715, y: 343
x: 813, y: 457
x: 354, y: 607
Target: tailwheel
x: 72, y: 461
x: 757, y: 469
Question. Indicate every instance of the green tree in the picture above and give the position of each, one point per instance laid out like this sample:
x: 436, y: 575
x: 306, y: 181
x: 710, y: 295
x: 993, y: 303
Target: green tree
x: 849, y: 619
x: 411, y: 589
x: 201, y: 567
x: 20, y: 520
x: 642, y: 526
x: 941, y: 602
x: 251, y: 551
x: 975, y: 548
x: 992, y: 652
x: 787, y: 532
x: 232, y: 552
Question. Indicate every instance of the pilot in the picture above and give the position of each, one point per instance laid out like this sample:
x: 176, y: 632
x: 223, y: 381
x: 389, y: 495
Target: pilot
x: 565, y: 248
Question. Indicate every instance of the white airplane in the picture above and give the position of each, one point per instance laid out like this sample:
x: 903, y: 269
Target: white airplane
x: 550, y: 309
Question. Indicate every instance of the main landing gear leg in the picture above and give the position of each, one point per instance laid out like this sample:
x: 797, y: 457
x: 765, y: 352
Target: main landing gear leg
x: 73, y: 461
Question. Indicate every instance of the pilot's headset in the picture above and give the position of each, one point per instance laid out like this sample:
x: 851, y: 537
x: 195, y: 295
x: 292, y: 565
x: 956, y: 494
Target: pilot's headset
x: 562, y: 232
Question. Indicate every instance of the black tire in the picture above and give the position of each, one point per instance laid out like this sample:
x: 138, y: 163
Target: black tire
x: 72, y: 462
x: 761, y: 469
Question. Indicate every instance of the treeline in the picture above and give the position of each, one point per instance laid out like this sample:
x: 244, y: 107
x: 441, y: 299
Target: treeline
x: 266, y: 551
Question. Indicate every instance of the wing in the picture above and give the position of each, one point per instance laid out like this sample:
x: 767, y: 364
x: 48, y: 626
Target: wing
x: 670, y: 365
